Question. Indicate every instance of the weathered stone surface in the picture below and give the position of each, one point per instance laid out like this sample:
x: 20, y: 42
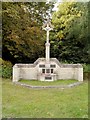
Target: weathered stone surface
x: 55, y: 86
x: 60, y: 71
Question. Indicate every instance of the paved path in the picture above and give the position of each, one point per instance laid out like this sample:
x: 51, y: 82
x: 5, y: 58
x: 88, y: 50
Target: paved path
x: 54, y: 86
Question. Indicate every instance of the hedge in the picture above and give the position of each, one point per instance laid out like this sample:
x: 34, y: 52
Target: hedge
x: 5, y: 68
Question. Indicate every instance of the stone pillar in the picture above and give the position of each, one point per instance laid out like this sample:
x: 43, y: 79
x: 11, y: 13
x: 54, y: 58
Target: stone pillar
x: 47, y: 27
x: 80, y: 74
x: 47, y: 45
x: 15, y: 73
x: 47, y: 52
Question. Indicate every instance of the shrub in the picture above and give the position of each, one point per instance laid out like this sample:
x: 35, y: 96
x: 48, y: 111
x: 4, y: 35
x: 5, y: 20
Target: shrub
x: 0, y: 67
x: 86, y: 70
x: 86, y: 67
x: 5, y: 69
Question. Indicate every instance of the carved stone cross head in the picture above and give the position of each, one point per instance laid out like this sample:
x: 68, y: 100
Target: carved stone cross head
x: 47, y: 26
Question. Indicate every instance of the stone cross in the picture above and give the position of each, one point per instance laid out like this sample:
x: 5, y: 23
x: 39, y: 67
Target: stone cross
x: 47, y: 27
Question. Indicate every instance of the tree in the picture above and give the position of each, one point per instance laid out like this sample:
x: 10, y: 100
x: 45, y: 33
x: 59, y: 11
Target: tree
x: 71, y: 29
x: 23, y: 39
x: 0, y: 32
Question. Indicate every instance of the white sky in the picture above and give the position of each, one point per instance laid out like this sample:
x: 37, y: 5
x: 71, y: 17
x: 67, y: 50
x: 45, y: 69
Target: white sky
x: 58, y: 1
x: 55, y: 8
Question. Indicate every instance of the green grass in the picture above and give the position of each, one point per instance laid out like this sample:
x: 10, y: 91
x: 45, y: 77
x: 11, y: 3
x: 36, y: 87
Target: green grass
x: 0, y: 98
x: 24, y: 102
x: 48, y: 83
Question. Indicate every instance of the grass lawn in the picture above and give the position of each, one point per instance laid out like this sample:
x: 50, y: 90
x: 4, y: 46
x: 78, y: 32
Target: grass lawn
x: 49, y: 83
x: 24, y: 102
x: 0, y: 99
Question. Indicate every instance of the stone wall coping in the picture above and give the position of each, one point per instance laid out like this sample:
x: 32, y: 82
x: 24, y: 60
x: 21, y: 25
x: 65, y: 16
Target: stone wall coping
x: 20, y: 65
x: 24, y: 65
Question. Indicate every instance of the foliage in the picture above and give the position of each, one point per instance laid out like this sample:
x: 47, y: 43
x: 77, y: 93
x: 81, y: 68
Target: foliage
x: 23, y: 39
x: 86, y: 67
x: 70, y: 41
x: 0, y: 67
x: 5, y: 69
x: 44, y: 103
x: 0, y: 30
x: 88, y: 31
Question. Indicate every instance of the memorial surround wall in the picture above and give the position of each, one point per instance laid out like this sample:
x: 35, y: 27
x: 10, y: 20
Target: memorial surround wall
x: 54, y: 71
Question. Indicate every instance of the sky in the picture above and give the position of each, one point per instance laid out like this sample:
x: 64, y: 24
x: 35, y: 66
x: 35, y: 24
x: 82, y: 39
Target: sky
x: 56, y: 4
x: 58, y: 1
x: 69, y: 0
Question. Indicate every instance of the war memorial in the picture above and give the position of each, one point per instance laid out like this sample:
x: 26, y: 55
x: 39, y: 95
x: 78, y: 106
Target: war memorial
x: 47, y: 69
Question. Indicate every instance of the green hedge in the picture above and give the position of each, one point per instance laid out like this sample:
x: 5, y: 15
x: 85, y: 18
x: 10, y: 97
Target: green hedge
x: 86, y: 67
x: 86, y: 71
x: 5, y: 69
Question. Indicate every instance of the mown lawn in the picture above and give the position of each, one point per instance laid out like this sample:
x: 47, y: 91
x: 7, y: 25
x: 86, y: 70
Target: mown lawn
x: 24, y: 102
x: 48, y: 83
x: 0, y: 98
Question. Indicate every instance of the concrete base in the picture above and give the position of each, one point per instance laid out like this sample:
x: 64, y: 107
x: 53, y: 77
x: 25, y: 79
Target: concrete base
x: 43, y: 72
x: 47, y: 77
